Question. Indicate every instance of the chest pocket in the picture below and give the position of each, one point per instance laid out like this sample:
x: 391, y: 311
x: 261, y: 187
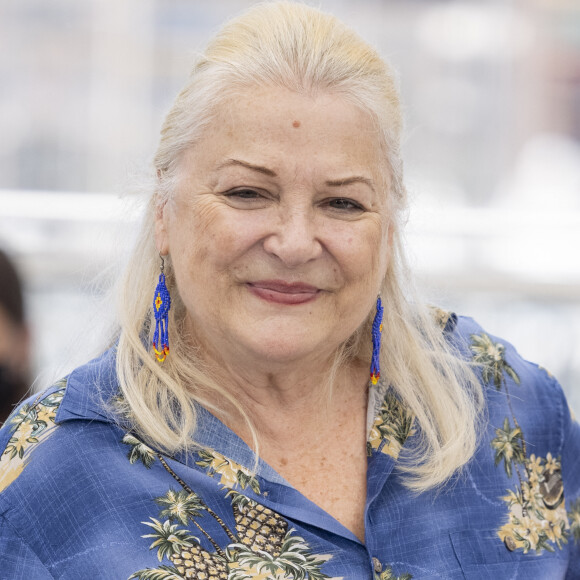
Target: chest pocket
x: 483, y: 556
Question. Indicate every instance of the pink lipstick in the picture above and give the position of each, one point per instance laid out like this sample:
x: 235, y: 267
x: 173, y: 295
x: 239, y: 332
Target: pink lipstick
x: 282, y: 292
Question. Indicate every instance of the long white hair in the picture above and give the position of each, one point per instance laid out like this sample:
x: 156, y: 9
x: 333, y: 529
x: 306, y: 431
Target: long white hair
x: 291, y: 45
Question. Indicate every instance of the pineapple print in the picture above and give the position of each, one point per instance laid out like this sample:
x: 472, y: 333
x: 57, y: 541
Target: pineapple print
x: 195, y: 562
x: 184, y: 551
x: 264, y: 547
x: 259, y: 528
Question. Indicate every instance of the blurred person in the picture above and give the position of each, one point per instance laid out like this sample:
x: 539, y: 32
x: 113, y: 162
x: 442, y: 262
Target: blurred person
x: 277, y: 402
x: 14, y: 339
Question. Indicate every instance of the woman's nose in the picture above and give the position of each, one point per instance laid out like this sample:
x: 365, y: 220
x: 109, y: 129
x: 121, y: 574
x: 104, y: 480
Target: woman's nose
x: 294, y: 238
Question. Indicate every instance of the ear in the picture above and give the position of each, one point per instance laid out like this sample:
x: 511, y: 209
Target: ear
x: 161, y: 228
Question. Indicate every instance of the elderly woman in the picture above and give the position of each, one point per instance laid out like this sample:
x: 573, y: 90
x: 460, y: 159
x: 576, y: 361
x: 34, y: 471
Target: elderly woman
x: 233, y: 429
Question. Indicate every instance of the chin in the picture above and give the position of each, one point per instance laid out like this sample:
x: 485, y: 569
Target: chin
x: 282, y: 350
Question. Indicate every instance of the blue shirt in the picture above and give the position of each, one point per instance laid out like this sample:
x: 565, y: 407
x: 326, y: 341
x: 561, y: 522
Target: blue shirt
x: 82, y: 497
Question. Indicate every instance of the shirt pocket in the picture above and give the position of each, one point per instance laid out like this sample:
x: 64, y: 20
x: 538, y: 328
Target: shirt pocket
x: 483, y: 556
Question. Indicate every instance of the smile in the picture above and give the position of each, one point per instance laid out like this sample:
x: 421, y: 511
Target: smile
x: 282, y: 292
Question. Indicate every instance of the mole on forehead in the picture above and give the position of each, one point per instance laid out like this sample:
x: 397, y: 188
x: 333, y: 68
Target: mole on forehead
x: 296, y: 124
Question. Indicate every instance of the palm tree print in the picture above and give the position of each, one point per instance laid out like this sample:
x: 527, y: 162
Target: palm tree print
x: 508, y: 446
x: 139, y: 451
x: 180, y: 505
x: 491, y: 356
x: 184, y: 506
x: 184, y: 551
x: 295, y: 562
x: 494, y: 368
x: 173, y: 500
x: 169, y: 538
x: 262, y: 546
x: 192, y: 493
x: 239, y: 561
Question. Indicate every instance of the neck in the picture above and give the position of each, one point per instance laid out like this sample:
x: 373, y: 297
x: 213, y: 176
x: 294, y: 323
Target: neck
x: 276, y: 398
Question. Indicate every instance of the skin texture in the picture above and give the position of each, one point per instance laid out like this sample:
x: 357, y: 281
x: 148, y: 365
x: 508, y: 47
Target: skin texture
x: 279, y: 238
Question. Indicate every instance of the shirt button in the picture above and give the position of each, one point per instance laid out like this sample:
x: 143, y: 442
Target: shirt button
x: 377, y: 565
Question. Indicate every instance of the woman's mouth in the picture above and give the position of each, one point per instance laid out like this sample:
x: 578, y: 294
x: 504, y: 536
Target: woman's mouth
x: 282, y: 292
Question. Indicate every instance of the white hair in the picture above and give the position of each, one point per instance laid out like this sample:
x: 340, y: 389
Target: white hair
x: 291, y: 45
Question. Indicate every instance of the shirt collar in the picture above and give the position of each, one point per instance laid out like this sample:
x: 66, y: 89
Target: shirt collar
x: 91, y: 387
x: 89, y: 390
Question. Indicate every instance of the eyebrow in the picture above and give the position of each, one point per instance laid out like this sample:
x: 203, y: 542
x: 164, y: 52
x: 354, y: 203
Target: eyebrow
x: 349, y: 180
x: 270, y: 173
x: 258, y: 168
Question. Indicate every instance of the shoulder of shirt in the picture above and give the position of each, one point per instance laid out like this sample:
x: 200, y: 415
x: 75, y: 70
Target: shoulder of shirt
x: 25, y: 430
x: 471, y: 340
x: 25, y: 411
x: 76, y: 400
x: 508, y: 379
x: 528, y: 382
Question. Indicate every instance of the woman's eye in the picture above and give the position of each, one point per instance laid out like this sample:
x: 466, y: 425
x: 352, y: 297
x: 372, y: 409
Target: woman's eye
x: 345, y: 204
x: 243, y: 194
x: 247, y: 198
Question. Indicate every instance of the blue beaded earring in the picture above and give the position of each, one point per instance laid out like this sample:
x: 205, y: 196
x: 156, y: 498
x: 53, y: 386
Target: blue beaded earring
x: 161, y: 306
x: 376, y: 333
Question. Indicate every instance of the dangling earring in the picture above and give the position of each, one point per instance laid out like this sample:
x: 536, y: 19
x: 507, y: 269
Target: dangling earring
x: 161, y: 306
x: 376, y: 333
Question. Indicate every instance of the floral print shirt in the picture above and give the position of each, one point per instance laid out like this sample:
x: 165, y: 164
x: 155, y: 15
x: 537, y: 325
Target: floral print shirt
x: 80, y: 497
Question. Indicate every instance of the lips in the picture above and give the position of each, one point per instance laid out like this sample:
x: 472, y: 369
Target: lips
x: 282, y: 292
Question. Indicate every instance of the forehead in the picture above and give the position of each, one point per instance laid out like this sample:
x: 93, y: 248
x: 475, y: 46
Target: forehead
x: 284, y: 113
x: 279, y: 125
x: 273, y: 102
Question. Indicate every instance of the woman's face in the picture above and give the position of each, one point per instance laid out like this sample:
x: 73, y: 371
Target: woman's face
x: 278, y: 231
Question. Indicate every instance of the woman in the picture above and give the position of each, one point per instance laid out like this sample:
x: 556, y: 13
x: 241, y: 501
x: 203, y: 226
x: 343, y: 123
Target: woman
x: 232, y: 430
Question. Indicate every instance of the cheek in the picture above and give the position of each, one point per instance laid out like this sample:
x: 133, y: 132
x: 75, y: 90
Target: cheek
x: 361, y: 251
x: 210, y: 238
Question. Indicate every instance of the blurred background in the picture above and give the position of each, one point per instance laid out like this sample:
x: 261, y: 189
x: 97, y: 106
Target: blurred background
x: 492, y: 96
